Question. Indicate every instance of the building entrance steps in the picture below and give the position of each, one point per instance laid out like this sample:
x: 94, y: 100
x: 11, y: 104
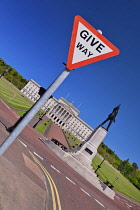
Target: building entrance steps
x: 85, y: 171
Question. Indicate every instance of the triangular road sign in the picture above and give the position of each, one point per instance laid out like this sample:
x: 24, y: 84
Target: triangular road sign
x: 88, y: 45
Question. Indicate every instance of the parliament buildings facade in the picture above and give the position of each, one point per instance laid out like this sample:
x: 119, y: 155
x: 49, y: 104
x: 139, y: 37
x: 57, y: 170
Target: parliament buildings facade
x: 61, y: 112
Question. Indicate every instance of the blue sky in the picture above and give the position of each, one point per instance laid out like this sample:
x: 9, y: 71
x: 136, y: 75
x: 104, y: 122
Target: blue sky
x: 35, y: 37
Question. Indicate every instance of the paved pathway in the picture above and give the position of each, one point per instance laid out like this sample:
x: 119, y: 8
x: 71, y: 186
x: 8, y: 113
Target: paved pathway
x: 55, y: 132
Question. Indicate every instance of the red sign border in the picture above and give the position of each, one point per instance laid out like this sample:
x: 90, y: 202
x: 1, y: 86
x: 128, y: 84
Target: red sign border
x: 69, y: 65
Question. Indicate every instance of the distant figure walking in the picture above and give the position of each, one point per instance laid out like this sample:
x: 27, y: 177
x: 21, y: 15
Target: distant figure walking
x: 111, y: 117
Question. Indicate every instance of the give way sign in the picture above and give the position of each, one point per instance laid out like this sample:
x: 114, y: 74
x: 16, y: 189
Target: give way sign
x: 88, y: 45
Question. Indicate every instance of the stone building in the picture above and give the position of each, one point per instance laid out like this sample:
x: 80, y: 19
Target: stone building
x: 61, y: 112
x: 31, y: 90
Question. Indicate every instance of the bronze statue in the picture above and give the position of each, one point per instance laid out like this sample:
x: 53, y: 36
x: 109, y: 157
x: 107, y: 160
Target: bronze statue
x: 111, y: 117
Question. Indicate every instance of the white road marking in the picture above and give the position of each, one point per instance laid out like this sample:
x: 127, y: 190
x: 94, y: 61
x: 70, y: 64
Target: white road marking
x: 99, y: 203
x: 128, y: 205
x: 55, y: 169
x: 23, y: 143
x: 70, y: 180
x: 85, y: 192
x: 38, y: 155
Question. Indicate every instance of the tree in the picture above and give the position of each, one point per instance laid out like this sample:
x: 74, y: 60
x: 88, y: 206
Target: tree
x: 135, y: 166
x: 123, y: 166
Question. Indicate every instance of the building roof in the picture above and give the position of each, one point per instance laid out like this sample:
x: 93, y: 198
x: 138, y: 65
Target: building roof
x: 69, y: 104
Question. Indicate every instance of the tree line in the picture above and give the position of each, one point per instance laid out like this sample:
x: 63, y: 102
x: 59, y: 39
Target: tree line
x: 127, y: 169
x: 12, y: 75
x: 130, y: 171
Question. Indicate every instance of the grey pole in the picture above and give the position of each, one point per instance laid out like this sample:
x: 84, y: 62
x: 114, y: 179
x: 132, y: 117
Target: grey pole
x: 9, y: 140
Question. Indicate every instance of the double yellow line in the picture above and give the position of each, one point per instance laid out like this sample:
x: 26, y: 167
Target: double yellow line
x: 54, y: 191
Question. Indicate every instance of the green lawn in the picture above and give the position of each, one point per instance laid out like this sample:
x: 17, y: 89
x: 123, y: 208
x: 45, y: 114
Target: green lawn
x: 13, y: 96
x: 107, y: 173
x: 42, y: 127
x: 72, y: 140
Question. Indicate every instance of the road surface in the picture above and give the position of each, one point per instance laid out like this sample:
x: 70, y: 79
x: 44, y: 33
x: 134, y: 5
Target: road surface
x: 70, y: 190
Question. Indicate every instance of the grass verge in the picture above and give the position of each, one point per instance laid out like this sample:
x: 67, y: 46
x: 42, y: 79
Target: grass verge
x: 72, y: 140
x: 42, y: 127
x: 13, y: 96
x: 108, y: 173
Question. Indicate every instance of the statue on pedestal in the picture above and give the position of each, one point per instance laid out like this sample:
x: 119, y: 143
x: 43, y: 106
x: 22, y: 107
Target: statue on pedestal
x: 111, y: 117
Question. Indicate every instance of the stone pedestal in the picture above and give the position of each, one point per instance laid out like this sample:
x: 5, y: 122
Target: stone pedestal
x: 89, y: 149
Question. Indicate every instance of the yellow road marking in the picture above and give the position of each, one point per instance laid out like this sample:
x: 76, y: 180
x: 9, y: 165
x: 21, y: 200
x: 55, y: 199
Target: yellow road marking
x: 52, y: 184
x: 32, y: 166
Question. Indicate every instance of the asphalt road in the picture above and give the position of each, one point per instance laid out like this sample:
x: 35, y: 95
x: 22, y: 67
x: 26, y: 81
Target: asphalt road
x: 74, y: 191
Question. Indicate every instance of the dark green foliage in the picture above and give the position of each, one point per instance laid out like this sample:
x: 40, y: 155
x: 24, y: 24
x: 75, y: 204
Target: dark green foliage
x: 135, y: 166
x: 12, y: 76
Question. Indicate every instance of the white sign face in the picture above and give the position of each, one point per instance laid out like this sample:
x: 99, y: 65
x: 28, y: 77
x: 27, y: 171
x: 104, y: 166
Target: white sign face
x: 88, y: 45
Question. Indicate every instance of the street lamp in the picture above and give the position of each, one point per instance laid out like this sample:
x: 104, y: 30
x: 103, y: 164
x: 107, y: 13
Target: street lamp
x: 115, y: 180
x: 40, y: 118
x: 99, y: 166
x: 41, y: 92
x: 6, y: 70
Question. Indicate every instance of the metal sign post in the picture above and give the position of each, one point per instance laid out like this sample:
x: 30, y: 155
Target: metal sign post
x: 9, y: 140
